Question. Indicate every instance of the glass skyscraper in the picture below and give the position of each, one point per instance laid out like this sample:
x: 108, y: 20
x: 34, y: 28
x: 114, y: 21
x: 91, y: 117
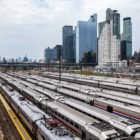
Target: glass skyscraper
x: 126, y: 50
x: 113, y: 15
x: 127, y: 29
x: 67, y: 42
x: 69, y: 51
x: 74, y: 44
x: 126, y: 44
x: 86, y: 37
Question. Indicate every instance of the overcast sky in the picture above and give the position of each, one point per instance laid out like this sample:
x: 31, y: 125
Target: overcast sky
x: 27, y: 27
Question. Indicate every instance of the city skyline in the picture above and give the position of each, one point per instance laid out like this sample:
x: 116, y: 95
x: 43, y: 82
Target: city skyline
x: 28, y: 27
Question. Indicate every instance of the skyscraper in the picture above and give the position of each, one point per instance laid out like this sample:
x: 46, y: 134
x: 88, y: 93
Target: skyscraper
x: 67, y: 42
x: 127, y: 29
x: 109, y: 39
x: 59, y: 51
x: 126, y: 44
x: 86, y: 37
x: 74, y: 44
x: 115, y: 17
x: 126, y: 50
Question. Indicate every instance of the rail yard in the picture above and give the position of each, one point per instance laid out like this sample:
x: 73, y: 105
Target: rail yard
x: 75, y: 107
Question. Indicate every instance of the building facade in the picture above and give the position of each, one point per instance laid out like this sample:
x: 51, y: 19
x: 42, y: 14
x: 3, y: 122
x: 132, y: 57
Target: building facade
x: 52, y: 55
x: 59, y: 51
x: 74, y: 44
x: 126, y: 43
x: 112, y: 15
x: 127, y: 29
x: 67, y: 41
x: 86, y: 38
x: 109, y: 40
x: 126, y: 50
x: 69, y: 58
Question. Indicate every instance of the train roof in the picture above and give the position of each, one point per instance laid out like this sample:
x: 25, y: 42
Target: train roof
x: 31, y: 110
x: 120, y: 104
x: 129, y: 98
x: 70, y: 113
x: 96, y: 95
x: 90, y: 109
x: 117, y: 98
x: 92, y: 125
x: 115, y: 120
x: 100, y: 78
x: 40, y: 118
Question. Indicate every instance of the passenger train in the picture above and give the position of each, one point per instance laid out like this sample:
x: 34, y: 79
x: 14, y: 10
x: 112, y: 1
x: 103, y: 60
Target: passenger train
x: 39, y: 100
x: 134, y: 89
x: 122, y: 108
x: 38, y: 122
x: 41, y: 125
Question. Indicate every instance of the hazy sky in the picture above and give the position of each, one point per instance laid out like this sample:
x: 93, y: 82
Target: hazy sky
x: 27, y: 27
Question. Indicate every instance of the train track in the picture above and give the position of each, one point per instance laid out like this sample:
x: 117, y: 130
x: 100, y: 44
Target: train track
x: 7, y: 127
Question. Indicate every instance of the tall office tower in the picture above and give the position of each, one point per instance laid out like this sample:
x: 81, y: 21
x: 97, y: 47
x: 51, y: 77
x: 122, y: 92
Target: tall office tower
x: 126, y: 50
x: 86, y: 38
x: 126, y: 44
x: 109, y: 40
x: 67, y: 42
x: 127, y: 29
x: 113, y: 15
x: 74, y: 43
x: 59, y: 51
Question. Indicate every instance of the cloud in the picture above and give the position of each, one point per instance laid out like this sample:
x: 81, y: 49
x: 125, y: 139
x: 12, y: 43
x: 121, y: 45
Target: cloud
x: 34, y: 11
x: 29, y: 26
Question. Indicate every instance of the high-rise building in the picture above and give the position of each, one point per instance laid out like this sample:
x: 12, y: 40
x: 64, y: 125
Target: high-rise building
x: 115, y: 17
x: 69, y: 58
x: 59, y: 51
x: 109, y: 40
x: 126, y: 43
x: 74, y: 44
x: 67, y: 42
x: 126, y: 50
x: 101, y: 27
x: 50, y: 54
x: 53, y: 54
x: 86, y: 37
x: 127, y: 29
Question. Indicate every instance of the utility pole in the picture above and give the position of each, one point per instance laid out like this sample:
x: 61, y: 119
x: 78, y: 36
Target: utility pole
x: 81, y: 69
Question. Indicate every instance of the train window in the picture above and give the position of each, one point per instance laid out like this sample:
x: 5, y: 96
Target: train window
x: 67, y: 120
x: 76, y: 126
x: 59, y: 115
x: 62, y: 117
x: 110, y: 109
x: 71, y: 122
